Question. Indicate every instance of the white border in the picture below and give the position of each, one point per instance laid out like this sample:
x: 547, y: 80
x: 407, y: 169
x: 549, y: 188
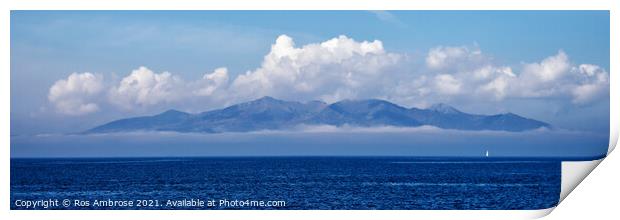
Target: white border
x: 596, y: 197
x: 282, y: 5
x: 573, y: 173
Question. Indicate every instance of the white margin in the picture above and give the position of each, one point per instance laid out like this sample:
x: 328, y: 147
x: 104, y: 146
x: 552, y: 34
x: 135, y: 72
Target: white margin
x: 570, y: 170
x: 573, y: 173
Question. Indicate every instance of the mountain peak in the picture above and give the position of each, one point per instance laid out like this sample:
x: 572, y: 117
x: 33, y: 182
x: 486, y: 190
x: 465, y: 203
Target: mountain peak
x: 444, y: 108
x: 264, y: 101
x: 316, y: 102
x: 368, y: 102
x: 267, y: 99
x: 173, y: 112
x: 511, y: 114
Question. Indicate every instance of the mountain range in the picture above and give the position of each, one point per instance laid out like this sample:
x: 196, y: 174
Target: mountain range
x: 268, y: 113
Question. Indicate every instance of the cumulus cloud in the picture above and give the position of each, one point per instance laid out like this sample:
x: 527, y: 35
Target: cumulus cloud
x: 556, y: 76
x: 344, y: 68
x: 550, y: 69
x: 76, y: 95
x: 460, y: 72
x: 448, y: 85
x: 497, y: 87
x: 336, y: 69
x: 143, y: 88
x: 453, y: 57
x: 595, y: 86
x: 212, y: 82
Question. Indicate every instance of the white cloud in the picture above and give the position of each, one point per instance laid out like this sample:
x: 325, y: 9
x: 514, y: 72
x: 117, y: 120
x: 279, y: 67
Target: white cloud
x: 444, y: 57
x: 343, y: 68
x: 497, y: 88
x: 76, y: 95
x: 553, y: 77
x: 144, y: 88
x: 556, y: 77
x: 448, y: 85
x: 550, y: 69
x: 595, y: 86
x: 590, y: 70
x: 335, y: 69
x: 210, y: 83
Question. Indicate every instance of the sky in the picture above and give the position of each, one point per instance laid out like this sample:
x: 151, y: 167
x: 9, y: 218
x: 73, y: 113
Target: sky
x: 73, y: 70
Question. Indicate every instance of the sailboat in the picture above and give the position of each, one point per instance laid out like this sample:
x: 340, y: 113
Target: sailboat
x: 487, y: 153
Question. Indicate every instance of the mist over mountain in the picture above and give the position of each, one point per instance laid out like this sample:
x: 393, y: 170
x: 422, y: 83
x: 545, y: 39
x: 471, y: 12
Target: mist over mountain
x: 268, y: 113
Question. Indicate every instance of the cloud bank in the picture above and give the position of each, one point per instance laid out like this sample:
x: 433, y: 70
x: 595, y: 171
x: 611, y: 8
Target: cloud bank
x: 322, y: 140
x: 342, y: 68
x: 76, y: 95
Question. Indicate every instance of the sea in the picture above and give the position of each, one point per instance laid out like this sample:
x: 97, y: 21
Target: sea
x: 306, y: 183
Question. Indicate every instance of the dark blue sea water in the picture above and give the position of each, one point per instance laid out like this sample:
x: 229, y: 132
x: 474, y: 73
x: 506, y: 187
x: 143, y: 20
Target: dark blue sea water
x: 301, y: 182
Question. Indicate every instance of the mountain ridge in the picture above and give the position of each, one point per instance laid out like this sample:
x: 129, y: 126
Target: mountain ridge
x: 268, y: 113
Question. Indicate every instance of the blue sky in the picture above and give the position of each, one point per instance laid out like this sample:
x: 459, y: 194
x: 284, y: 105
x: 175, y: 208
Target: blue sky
x: 426, y: 56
